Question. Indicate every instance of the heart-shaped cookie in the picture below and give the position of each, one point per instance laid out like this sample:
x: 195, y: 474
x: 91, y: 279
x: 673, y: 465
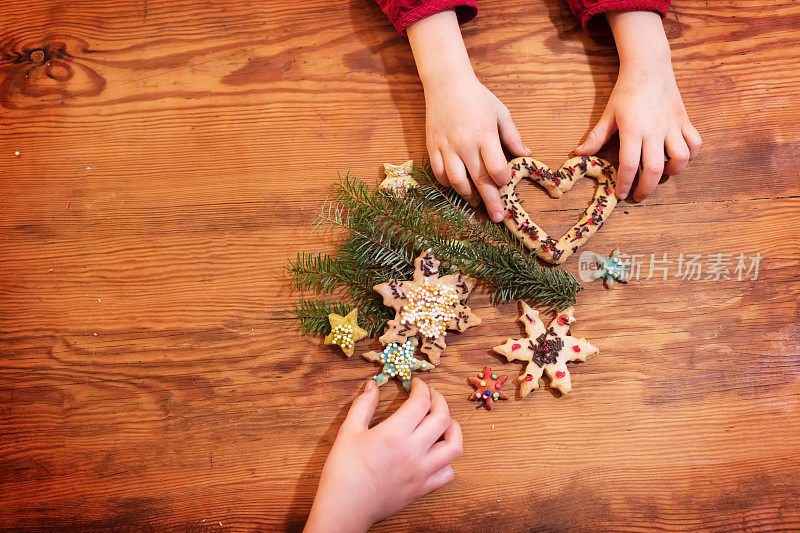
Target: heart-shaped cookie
x: 556, y: 184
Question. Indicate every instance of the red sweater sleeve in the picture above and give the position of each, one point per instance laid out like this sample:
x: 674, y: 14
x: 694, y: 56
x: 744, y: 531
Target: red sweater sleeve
x: 403, y: 13
x: 586, y: 11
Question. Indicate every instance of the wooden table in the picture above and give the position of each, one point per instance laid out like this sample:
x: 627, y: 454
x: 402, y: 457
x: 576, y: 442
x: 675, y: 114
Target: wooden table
x: 160, y: 160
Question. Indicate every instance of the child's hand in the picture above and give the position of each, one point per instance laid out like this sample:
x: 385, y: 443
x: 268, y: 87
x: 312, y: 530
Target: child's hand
x: 466, y: 124
x: 373, y: 473
x: 645, y: 106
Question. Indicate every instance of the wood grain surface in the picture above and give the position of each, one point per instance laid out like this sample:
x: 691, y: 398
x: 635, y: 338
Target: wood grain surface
x: 170, y: 157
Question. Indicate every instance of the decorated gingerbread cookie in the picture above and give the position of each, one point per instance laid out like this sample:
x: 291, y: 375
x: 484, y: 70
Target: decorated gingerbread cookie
x: 428, y: 306
x: 610, y: 268
x: 345, y: 331
x: 398, y: 181
x: 489, y: 387
x: 552, y: 250
x: 546, y: 350
x: 398, y: 362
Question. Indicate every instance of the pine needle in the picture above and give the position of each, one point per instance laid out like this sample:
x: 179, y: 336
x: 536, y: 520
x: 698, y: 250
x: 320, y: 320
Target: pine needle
x: 384, y: 233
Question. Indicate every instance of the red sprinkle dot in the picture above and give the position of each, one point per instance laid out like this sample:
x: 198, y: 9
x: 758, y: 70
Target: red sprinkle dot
x: 563, y: 320
x: 513, y: 173
x: 576, y: 348
x: 516, y: 347
x: 528, y: 378
x: 559, y: 374
x: 497, y: 386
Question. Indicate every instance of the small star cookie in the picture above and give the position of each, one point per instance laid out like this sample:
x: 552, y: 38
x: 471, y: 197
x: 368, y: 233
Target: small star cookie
x: 398, y: 362
x: 546, y: 350
x: 345, y: 332
x: 427, y: 306
x: 398, y: 181
x: 610, y: 268
x: 489, y: 388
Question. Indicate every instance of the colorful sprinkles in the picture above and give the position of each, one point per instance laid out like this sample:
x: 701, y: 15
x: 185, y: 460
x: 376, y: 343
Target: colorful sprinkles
x: 489, y: 387
x: 427, y: 306
x: 398, y: 362
x: 345, y: 331
x: 430, y: 307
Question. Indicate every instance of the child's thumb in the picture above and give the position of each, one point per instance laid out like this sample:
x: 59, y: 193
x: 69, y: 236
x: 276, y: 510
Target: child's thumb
x: 510, y: 137
x: 600, y: 134
x: 360, y: 414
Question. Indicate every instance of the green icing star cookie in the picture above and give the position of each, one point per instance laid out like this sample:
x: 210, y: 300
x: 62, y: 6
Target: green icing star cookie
x: 345, y: 332
x: 610, y: 268
x: 398, y: 362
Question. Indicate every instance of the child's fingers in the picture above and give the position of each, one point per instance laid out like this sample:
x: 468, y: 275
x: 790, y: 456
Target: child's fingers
x: 458, y: 179
x: 600, y: 134
x: 653, y: 168
x: 432, y: 426
x: 438, y: 479
x: 486, y: 188
x: 360, y: 413
x: 445, y: 451
x: 414, y: 409
x: 495, y: 163
x: 437, y: 166
x: 678, y: 153
x: 630, y: 149
x: 693, y: 140
x: 509, y: 135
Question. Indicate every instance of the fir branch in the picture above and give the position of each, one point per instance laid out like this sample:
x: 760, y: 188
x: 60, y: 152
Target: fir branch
x: 451, y: 206
x: 332, y: 216
x: 384, y: 233
x: 319, y: 272
x: 313, y: 316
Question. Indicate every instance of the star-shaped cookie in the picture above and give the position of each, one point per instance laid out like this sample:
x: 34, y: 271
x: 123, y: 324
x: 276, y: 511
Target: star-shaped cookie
x: 546, y: 350
x: 610, y: 268
x: 489, y: 388
x: 398, y: 181
x: 427, y: 306
x: 345, y: 332
x: 398, y: 362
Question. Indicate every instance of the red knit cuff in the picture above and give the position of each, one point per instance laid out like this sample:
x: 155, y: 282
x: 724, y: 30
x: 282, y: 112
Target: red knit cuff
x: 466, y: 10
x: 596, y: 24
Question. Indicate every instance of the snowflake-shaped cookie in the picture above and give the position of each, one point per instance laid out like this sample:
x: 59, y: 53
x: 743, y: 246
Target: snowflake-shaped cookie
x: 398, y: 362
x: 489, y: 388
x: 427, y: 306
x: 546, y: 350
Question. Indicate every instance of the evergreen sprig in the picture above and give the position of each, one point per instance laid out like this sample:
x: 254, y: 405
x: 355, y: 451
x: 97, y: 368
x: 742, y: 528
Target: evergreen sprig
x: 313, y: 315
x: 383, y: 233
